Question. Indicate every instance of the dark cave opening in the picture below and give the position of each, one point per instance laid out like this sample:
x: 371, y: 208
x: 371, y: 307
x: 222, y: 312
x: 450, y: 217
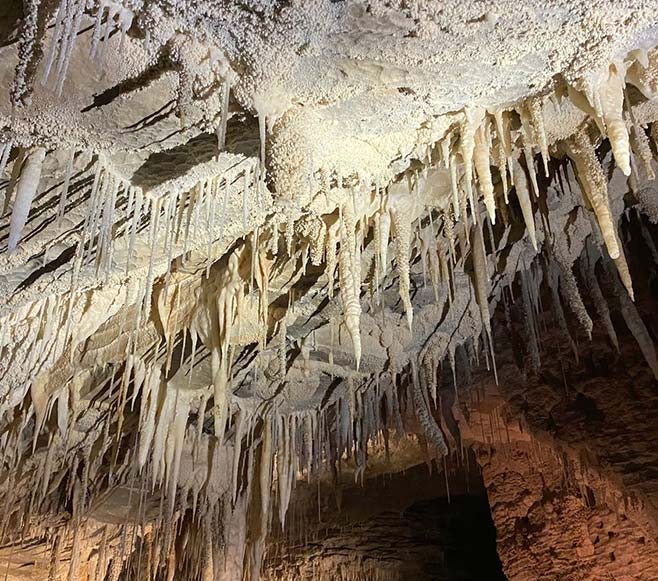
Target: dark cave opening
x: 415, y: 524
x: 458, y: 536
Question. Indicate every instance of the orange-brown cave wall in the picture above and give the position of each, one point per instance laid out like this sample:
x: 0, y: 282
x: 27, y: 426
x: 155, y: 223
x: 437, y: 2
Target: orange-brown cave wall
x: 568, y: 451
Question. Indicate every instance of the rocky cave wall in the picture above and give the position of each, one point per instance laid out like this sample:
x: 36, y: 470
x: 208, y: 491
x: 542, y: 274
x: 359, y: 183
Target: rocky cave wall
x: 567, y: 451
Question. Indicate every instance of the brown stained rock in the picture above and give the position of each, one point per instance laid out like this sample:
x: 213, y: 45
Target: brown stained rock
x: 569, y: 461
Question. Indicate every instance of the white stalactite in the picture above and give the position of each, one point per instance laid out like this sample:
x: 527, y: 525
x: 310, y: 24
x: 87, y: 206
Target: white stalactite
x: 482, y: 166
x: 403, y: 211
x: 521, y: 186
x: 350, y: 280
x: 594, y: 188
x: 26, y: 189
x: 468, y: 128
x: 611, y: 95
x: 480, y: 277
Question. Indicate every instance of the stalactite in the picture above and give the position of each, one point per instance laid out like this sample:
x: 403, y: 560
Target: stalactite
x: 5, y: 152
x: 384, y: 235
x: 571, y: 294
x: 235, y: 344
x: 350, y: 281
x: 468, y: 129
x: 28, y: 52
x: 535, y: 108
x: 314, y: 230
x: 283, y: 347
x: 13, y: 178
x: 553, y: 276
x: 503, y: 149
x: 430, y: 428
x: 65, y: 186
x: 648, y: 202
x: 521, y: 186
x: 635, y: 324
x: 456, y: 205
x: 67, y: 39
x: 402, y: 214
x: 527, y: 134
x: 333, y: 237
x: 221, y: 128
x: 481, y: 160
x: 530, y: 322
x: 480, y: 277
x: 595, y: 191
x: 265, y: 475
x: 612, y: 104
x: 642, y: 149
x: 26, y: 189
x: 589, y: 274
x: 624, y: 272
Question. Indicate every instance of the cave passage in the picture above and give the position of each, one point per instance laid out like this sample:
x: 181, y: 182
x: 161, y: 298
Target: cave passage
x: 455, y: 541
x: 399, y: 527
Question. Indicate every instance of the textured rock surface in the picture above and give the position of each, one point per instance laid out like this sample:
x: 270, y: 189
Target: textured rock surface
x: 429, y: 540
x: 567, y: 455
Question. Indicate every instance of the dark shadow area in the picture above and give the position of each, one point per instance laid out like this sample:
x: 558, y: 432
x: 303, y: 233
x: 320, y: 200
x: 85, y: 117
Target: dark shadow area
x: 458, y: 538
x: 241, y: 139
x: 405, y: 525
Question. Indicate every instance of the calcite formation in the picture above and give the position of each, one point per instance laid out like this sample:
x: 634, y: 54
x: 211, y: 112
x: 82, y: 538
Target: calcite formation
x: 240, y: 241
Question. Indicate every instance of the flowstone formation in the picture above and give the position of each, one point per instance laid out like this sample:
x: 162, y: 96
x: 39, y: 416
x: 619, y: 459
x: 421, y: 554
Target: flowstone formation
x: 251, y: 249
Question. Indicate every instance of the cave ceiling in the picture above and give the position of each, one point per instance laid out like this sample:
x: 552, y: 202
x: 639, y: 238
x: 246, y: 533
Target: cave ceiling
x: 243, y: 241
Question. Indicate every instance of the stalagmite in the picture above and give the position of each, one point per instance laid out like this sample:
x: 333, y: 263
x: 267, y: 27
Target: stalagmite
x: 26, y: 189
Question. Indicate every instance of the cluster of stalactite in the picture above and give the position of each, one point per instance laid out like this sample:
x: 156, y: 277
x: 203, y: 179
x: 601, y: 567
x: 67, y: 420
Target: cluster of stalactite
x: 177, y: 520
x: 171, y: 396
